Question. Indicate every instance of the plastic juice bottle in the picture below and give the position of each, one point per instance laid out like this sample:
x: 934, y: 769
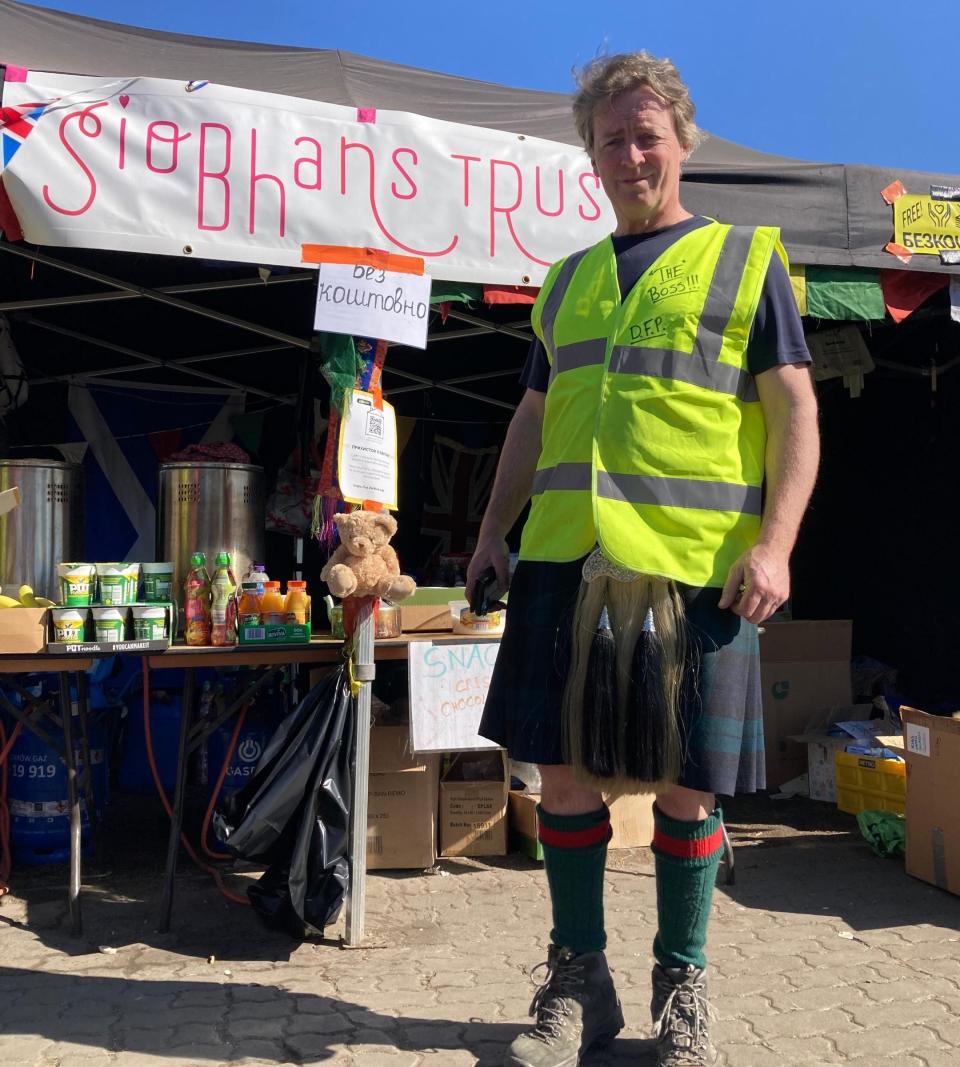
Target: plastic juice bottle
x: 297, y: 603
x: 196, y: 602
x: 271, y: 604
x: 248, y: 606
x: 223, y: 607
x: 256, y: 572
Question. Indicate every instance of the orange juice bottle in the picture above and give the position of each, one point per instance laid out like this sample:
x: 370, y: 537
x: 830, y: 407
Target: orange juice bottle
x: 248, y: 607
x: 271, y: 604
x: 297, y: 603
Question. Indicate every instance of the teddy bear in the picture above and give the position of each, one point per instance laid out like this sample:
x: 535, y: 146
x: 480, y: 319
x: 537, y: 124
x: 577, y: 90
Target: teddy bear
x: 364, y: 564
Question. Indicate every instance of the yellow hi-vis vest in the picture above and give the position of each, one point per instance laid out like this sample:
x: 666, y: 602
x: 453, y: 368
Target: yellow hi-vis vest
x: 653, y: 436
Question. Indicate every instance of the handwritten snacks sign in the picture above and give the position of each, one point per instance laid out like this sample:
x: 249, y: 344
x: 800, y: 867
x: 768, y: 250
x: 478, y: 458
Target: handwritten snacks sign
x: 204, y: 170
x: 448, y: 687
x: 926, y: 226
x: 367, y: 463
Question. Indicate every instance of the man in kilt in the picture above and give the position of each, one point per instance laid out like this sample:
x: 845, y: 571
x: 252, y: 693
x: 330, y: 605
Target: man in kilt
x: 667, y: 438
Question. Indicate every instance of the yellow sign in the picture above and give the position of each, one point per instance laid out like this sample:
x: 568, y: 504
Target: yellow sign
x: 926, y: 226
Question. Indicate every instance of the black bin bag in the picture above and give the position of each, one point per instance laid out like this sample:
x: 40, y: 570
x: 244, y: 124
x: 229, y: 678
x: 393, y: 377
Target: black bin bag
x: 293, y: 815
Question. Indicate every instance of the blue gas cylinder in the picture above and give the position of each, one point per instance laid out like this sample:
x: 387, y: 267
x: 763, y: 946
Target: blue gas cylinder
x: 38, y: 795
x: 253, y: 739
x: 166, y: 707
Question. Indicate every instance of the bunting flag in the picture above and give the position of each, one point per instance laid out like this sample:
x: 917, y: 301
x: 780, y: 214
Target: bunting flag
x: 904, y: 291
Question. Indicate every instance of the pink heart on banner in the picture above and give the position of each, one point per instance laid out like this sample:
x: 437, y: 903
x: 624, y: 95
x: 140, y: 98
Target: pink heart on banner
x: 124, y: 100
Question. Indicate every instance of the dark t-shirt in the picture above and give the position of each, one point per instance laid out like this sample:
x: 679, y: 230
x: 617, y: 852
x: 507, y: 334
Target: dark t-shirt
x: 777, y: 333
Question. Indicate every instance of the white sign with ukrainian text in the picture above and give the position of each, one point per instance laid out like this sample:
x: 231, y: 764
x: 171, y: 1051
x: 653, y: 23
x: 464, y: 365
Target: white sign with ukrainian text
x: 367, y: 301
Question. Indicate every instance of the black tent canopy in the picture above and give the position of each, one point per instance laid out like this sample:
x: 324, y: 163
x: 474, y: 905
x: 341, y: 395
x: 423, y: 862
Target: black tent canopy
x: 830, y: 214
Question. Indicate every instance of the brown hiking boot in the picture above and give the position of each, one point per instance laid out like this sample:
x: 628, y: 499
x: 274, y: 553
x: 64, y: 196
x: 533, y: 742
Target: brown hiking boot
x: 681, y: 1017
x: 576, y: 1008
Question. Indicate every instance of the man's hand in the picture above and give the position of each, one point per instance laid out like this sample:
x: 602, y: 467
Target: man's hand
x: 490, y: 552
x: 758, y: 583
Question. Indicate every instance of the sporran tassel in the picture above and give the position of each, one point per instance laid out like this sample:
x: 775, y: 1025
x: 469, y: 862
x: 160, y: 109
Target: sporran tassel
x: 647, y: 749
x: 599, y: 727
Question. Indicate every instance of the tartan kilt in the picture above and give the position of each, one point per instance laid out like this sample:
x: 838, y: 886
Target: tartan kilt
x: 721, y: 713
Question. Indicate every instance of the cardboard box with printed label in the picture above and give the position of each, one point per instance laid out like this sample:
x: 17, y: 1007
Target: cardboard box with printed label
x: 931, y: 746
x: 401, y: 802
x: 804, y: 668
x: 823, y: 740
x: 473, y: 805
x: 631, y: 822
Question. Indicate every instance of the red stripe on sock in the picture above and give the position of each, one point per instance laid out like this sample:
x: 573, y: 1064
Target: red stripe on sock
x: 696, y: 848
x: 593, y: 835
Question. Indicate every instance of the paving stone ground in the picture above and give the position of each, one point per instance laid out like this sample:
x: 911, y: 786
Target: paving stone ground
x: 822, y: 953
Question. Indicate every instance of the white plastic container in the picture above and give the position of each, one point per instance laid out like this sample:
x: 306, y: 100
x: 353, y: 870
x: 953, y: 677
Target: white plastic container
x: 78, y: 582
x: 465, y: 622
x: 109, y: 623
x: 68, y: 625
x: 157, y: 581
x: 149, y: 622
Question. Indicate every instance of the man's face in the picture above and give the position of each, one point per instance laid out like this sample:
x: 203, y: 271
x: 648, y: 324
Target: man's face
x: 637, y: 157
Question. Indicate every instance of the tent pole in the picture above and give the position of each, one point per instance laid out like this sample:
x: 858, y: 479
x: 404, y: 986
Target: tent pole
x: 427, y: 383
x: 364, y: 669
x: 136, y: 368
x: 154, y: 294
x: 191, y: 287
x: 154, y: 361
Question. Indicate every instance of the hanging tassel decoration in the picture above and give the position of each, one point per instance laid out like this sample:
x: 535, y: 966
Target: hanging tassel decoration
x: 647, y: 753
x: 599, y: 721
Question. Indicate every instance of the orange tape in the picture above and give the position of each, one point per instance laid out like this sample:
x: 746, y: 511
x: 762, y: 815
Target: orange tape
x: 903, y: 254
x: 367, y: 257
x: 892, y: 192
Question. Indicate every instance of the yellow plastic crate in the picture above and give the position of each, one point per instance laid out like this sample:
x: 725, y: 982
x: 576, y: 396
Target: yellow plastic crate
x: 868, y: 784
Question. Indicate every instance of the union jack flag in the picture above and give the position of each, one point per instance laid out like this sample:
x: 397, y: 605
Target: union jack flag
x: 460, y: 482
x: 16, y: 123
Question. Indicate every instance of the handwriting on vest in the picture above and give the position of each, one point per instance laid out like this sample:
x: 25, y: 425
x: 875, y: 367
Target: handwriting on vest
x: 672, y: 280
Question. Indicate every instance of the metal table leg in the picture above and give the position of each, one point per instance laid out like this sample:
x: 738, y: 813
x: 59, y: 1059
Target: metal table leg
x: 73, y: 797
x: 363, y: 665
x: 176, y: 819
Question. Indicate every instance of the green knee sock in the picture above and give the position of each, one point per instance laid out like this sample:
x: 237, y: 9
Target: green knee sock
x: 687, y: 856
x: 575, y: 855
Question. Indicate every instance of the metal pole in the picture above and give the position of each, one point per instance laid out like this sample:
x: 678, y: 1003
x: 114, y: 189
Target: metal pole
x: 364, y: 670
x: 176, y: 817
x: 155, y: 294
x: 73, y: 799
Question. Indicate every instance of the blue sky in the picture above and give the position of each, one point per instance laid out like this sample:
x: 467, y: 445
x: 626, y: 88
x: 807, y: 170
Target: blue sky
x: 847, y: 81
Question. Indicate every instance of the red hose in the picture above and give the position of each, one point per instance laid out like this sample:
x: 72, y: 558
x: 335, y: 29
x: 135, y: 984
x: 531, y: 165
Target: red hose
x: 231, y: 748
x: 6, y: 858
x: 229, y: 894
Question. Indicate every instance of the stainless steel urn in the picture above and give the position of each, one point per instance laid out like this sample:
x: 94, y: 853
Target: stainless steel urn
x: 47, y: 527
x: 208, y: 507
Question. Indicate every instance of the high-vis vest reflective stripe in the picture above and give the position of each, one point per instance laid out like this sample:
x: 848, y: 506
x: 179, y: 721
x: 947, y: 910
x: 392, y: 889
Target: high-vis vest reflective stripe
x: 653, y: 436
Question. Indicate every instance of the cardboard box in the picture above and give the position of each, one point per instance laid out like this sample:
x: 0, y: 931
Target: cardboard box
x: 804, y: 668
x: 23, y: 630
x: 631, y: 822
x: 271, y: 634
x: 401, y: 802
x: 473, y: 811
x: 932, y: 752
x: 427, y: 611
x: 823, y: 740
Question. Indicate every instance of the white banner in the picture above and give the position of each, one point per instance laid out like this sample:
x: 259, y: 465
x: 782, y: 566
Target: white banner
x: 210, y: 171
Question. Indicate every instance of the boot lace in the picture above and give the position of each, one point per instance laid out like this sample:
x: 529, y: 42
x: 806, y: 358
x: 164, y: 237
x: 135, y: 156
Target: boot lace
x: 551, y: 1002
x: 682, y: 1027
